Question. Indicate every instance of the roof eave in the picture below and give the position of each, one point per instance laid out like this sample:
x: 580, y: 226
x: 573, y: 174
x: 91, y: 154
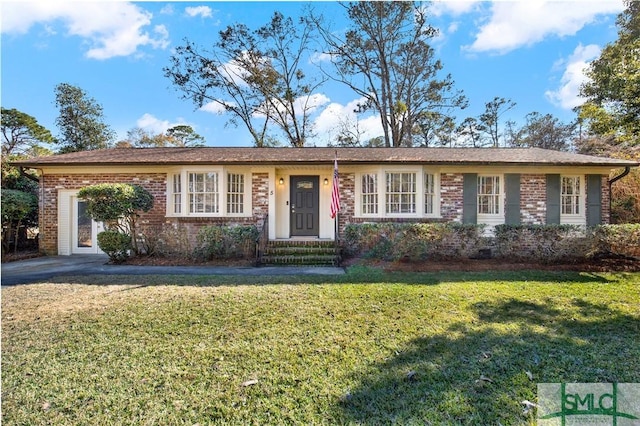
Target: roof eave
x: 38, y: 165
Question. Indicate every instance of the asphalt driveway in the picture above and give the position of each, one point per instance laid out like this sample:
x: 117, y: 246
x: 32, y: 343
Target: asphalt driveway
x: 47, y: 267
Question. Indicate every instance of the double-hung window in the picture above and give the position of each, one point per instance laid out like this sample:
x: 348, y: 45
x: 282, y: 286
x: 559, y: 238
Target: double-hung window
x: 429, y: 193
x: 235, y: 193
x: 570, y: 195
x: 404, y: 192
x: 177, y: 194
x: 203, y: 192
x: 212, y: 192
x: 400, y: 194
x: 489, y: 195
x: 369, y: 194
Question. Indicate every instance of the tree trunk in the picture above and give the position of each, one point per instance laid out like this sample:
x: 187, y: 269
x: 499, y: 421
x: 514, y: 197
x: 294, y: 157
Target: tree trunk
x: 15, y: 238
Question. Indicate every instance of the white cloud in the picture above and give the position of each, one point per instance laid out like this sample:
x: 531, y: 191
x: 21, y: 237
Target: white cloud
x: 111, y: 28
x: 450, y: 7
x: 514, y: 24
x: 163, y: 37
x: 329, y: 122
x: 202, y: 11
x: 317, y: 57
x: 310, y: 103
x: 167, y: 10
x: 213, y: 108
x: 155, y: 125
x: 567, y: 95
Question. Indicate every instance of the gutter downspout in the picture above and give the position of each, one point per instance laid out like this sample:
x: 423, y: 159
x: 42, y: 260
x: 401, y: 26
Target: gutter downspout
x: 613, y: 180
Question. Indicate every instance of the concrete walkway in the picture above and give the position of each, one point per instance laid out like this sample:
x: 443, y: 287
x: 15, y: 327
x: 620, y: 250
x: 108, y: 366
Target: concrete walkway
x: 47, y: 267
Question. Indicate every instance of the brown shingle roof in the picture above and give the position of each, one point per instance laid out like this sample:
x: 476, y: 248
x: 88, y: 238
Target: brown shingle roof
x: 210, y: 155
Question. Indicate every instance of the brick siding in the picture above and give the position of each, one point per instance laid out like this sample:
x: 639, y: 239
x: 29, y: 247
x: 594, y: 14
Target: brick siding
x: 533, y: 199
x: 532, y: 202
x: 155, y: 183
x: 451, y: 201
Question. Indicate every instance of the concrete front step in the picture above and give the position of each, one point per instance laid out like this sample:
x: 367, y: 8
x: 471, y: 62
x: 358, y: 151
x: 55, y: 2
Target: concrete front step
x: 298, y: 250
x: 319, y: 260
x: 316, y: 253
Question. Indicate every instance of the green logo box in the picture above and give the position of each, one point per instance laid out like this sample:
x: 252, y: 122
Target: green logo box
x: 592, y: 404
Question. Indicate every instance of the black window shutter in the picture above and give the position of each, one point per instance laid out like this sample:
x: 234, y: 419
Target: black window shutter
x: 594, y: 200
x: 470, y: 198
x: 553, y: 199
x: 512, y: 192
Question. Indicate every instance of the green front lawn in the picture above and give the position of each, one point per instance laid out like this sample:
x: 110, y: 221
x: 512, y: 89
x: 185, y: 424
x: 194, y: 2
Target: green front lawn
x: 365, y: 348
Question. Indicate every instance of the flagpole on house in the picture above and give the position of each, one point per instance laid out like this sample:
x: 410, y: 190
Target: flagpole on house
x: 335, y: 201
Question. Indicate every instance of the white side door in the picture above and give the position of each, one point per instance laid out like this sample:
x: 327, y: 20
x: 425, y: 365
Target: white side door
x: 84, y: 230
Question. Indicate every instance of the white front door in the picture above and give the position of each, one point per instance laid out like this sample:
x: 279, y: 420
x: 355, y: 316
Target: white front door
x: 84, y: 230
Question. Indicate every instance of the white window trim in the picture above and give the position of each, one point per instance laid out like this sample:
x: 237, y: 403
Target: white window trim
x: 493, y: 219
x: 436, y: 195
x: 222, y: 191
x: 581, y: 217
x: 246, y: 194
x: 418, y: 199
x: 500, y: 195
x: 360, y: 194
x: 381, y: 174
x: 218, y: 195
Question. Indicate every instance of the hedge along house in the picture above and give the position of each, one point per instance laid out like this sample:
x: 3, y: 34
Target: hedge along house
x: 287, y: 191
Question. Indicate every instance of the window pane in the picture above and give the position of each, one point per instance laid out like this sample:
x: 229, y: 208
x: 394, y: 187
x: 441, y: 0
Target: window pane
x: 429, y: 193
x: 488, y: 195
x: 177, y: 194
x: 369, y: 199
x: 570, y: 195
x: 203, y: 193
x: 235, y: 193
x: 401, y: 193
x: 84, y: 228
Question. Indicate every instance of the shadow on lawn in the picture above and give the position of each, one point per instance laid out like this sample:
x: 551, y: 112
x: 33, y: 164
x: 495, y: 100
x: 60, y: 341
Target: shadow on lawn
x: 353, y: 276
x: 477, y: 373
x: 365, y: 275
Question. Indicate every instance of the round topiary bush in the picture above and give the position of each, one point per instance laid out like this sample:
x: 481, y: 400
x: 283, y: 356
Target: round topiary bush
x: 115, y: 244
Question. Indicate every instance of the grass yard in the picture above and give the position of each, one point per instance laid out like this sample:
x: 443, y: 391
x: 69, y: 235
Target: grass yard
x: 365, y: 348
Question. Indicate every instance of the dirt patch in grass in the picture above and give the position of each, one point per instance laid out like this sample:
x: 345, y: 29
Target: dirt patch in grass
x: 55, y: 302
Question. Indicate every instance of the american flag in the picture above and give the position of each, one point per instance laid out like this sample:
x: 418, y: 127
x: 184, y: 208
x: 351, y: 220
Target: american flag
x: 335, y: 191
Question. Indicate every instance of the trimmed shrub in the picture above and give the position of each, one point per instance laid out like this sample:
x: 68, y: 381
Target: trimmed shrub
x: 166, y: 240
x: 621, y: 239
x: 118, y: 206
x: 115, y: 244
x: 226, y: 242
x: 544, y: 243
x: 413, y: 241
x: 541, y: 243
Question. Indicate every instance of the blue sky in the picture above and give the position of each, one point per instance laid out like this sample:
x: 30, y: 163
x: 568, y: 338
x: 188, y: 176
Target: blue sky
x: 532, y: 52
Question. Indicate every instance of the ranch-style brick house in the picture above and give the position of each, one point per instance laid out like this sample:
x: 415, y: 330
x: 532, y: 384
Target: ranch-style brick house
x: 288, y: 190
